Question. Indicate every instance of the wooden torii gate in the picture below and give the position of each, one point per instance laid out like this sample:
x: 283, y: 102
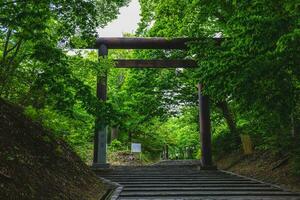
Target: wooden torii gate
x: 103, y: 44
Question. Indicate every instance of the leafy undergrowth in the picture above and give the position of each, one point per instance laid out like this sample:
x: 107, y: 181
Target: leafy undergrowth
x: 35, y: 165
x: 263, y: 166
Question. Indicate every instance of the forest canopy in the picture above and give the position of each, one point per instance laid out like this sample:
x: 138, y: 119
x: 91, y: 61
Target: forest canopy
x: 36, y: 68
x: 251, y: 76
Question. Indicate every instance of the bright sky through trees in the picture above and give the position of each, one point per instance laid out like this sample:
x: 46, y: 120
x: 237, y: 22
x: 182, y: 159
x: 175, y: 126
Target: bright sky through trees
x: 126, y: 22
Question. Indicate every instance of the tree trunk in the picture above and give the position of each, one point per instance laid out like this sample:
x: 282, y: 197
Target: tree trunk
x: 114, y: 133
x: 295, y: 130
x: 129, y: 137
x: 166, y: 152
x: 228, y: 115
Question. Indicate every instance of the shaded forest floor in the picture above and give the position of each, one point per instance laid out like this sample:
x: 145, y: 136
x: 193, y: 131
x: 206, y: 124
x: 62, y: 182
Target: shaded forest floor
x: 262, y: 166
x: 35, y: 165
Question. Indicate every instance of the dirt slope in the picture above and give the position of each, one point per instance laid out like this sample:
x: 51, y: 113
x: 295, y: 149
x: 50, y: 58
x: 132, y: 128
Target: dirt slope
x: 262, y: 166
x: 34, y: 165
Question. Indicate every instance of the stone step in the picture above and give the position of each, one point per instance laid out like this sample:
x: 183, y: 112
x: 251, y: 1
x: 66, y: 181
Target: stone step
x: 198, y: 181
x: 166, y: 171
x: 202, y: 193
x: 198, y: 189
x: 141, y: 172
x: 186, y: 182
x: 165, y: 174
x: 203, y: 185
x: 173, y: 176
x: 214, y: 198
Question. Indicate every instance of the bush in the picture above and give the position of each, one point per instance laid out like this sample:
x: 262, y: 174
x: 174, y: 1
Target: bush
x: 116, y: 145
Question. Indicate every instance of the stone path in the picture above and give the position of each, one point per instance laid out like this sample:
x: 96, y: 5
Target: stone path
x: 174, y: 180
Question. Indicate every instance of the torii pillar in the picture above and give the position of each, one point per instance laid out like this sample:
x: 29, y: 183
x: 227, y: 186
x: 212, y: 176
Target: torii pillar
x: 100, y: 137
x: 205, y: 130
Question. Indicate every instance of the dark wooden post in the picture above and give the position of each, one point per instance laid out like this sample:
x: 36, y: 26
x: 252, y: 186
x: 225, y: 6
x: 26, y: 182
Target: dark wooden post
x: 205, y: 135
x: 100, y: 137
x: 167, y: 152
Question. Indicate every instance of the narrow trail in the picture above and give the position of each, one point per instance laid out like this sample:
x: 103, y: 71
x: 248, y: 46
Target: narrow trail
x: 181, y: 180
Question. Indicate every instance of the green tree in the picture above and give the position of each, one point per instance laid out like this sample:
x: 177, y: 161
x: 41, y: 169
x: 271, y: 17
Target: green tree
x: 37, y: 70
x: 251, y: 73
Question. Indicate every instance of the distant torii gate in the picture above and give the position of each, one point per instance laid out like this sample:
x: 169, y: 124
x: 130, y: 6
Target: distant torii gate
x: 103, y: 44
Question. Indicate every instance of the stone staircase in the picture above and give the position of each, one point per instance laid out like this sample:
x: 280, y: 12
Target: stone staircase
x: 187, y: 181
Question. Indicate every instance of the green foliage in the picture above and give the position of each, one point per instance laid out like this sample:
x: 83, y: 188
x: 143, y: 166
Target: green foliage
x: 251, y: 73
x: 116, y: 145
x: 39, y: 70
x: 181, y: 134
x: 254, y: 69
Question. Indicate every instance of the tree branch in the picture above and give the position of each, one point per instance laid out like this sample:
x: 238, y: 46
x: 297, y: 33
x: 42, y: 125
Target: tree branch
x: 9, y: 50
x: 6, y: 43
x: 16, y: 52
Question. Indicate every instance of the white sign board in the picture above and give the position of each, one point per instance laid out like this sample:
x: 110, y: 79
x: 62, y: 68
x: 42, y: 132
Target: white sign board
x: 136, y: 147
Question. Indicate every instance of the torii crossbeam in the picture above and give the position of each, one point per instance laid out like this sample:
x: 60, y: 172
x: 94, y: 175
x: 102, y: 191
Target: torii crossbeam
x: 103, y: 44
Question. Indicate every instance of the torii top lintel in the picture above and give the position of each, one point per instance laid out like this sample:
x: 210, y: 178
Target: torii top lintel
x: 143, y: 43
x: 105, y: 43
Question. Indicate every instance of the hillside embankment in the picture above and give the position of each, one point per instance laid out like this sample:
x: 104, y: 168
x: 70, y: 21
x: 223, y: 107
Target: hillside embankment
x: 264, y: 166
x: 36, y: 165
